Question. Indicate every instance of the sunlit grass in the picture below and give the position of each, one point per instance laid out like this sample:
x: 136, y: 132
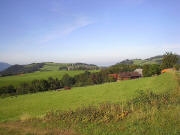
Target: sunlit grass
x: 12, y: 108
x: 17, y: 79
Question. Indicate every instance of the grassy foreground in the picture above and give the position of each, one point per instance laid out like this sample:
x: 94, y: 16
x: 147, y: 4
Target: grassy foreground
x: 13, y: 108
x: 154, y: 112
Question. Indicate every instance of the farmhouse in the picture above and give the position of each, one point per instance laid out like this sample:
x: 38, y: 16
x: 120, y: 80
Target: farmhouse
x: 139, y: 70
x: 126, y: 75
x: 114, y: 76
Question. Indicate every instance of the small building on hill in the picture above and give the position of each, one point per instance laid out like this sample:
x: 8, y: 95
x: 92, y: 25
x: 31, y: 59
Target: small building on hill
x: 114, y: 76
x: 126, y: 76
x: 139, y: 70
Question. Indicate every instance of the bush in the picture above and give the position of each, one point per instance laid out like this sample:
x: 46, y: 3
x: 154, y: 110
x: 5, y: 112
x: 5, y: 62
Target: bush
x: 177, y: 66
x: 67, y: 80
x: 109, y: 112
x: 103, y: 114
x: 149, y: 70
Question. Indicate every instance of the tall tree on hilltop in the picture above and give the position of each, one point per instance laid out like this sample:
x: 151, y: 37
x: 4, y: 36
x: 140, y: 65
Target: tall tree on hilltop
x: 169, y: 60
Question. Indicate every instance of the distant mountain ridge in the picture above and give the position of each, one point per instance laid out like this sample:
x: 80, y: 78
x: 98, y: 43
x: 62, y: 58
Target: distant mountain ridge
x: 21, y: 69
x: 6, y: 69
x: 4, y: 66
x: 46, y: 66
x: 151, y: 60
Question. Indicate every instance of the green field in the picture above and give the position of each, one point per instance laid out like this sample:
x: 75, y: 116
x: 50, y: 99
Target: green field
x: 143, y: 62
x: 50, y: 69
x: 17, y: 79
x: 13, y: 108
x: 49, y: 66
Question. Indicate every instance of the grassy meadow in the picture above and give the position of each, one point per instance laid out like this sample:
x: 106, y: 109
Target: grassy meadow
x: 48, y: 70
x: 17, y: 79
x: 143, y: 62
x: 146, y: 106
x: 13, y: 108
x: 50, y: 66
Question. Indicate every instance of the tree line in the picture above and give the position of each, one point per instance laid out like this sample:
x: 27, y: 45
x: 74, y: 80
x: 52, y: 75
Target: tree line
x: 83, y: 79
x: 79, y: 66
x: 88, y: 78
x: 169, y: 60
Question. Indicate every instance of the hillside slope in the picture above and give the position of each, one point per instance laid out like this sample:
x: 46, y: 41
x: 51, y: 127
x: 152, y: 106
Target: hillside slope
x: 51, y: 66
x: 28, y: 77
x: 46, y: 66
x: 21, y: 69
x: 12, y: 108
x: 151, y: 60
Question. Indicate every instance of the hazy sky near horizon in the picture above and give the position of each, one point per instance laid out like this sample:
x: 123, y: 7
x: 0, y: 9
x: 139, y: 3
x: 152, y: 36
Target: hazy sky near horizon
x: 101, y: 32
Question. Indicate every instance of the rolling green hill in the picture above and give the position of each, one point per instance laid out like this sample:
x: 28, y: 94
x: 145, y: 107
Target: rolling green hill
x: 13, y: 108
x: 20, y: 73
x: 28, y: 77
x: 21, y: 69
x: 46, y: 66
x: 151, y: 60
x: 50, y: 66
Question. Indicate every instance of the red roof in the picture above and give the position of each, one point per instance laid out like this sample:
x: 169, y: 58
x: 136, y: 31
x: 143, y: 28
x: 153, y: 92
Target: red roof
x: 129, y: 74
x: 125, y: 75
x: 113, y: 75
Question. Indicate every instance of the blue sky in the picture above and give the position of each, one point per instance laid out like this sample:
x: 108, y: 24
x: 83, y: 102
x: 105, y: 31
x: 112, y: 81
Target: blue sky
x: 101, y: 32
